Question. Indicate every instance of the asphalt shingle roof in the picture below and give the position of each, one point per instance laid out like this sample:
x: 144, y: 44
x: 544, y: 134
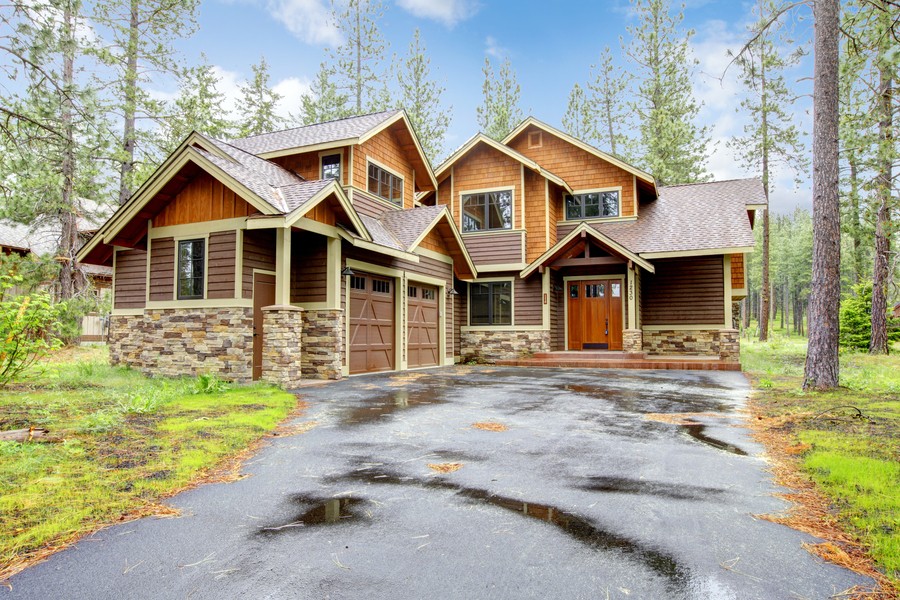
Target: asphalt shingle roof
x: 310, y: 135
x: 408, y: 225
x: 699, y: 216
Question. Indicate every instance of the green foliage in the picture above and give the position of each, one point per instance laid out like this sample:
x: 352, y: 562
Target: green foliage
x: 578, y: 121
x: 208, y: 384
x: 200, y: 107
x: 608, y: 92
x: 856, y: 319
x: 258, y: 106
x: 27, y: 326
x: 323, y: 102
x: 356, y: 62
x: 499, y: 113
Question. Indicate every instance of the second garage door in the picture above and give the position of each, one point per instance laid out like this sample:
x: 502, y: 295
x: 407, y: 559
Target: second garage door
x: 371, y: 323
x: 422, y: 326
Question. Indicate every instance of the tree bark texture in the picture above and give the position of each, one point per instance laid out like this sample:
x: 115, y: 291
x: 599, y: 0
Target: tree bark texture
x: 128, y: 136
x: 68, y: 239
x: 821, y: 370
x: 881, y: 271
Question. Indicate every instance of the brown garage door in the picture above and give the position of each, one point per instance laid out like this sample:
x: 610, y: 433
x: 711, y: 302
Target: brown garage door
x: 371, y: 323
x: 422, y: 326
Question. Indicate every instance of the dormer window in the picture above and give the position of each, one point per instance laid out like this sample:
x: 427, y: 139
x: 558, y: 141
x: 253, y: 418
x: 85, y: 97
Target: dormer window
x: 331, y: 166
x: 385, y: 184
x: 593, y: 205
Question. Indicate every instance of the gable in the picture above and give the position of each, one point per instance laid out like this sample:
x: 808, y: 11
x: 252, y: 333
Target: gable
x: 434, y: 242
x: 485, y: 168
x: 309, y: 164
x: 204, y: 198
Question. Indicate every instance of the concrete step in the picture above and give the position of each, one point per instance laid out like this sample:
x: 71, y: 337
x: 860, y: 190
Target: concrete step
x: 656, y: 363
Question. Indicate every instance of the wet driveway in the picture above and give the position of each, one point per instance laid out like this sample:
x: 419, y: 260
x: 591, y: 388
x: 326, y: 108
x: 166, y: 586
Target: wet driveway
x: 566, y: 489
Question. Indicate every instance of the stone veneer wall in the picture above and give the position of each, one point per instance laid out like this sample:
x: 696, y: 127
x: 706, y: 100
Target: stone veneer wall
x: 632, y: 341
x: 724, y: 343
x: 185, y: 342
x: 322, y: 341
x: 282, y: 326
x: 488, y: 346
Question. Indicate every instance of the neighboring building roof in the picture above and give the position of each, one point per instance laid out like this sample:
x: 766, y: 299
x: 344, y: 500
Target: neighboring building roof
x: 42, y: 240
x: 694, y: 217
x: 313, y: 135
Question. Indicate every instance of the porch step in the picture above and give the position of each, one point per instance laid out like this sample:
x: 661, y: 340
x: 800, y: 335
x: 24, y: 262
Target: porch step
x: 581, y: 355
x: 691, y: 364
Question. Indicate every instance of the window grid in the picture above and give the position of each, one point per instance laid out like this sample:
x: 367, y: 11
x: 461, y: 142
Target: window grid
x: 385, y: 185
x: 488, y: 210
x: 412, y: 291
x: 427, y: 294
x: 381, y: 286
x: 357, y: 282
x: 490, y: 303
x: 592, y: 205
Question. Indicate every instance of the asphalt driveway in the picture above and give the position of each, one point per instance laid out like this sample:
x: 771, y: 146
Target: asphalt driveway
x: 580, y: 496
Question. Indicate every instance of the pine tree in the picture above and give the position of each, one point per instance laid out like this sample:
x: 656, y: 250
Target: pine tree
x: 579, y: 118
x: 141, y: 33
x: 674, y: 148
x: 770, y: 137
x: 500, y: 113
x: 200, y: 107
x: 323, y: 102
x: 608, y: 90
x: 357, y: 62
x: 259, y: 103
x: 421, y: 96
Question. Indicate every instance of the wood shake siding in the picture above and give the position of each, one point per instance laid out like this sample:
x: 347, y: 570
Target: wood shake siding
x: 434, y: 242
x: 486, y: 168
x: 162, y: 269
x: 308, y: 164
x: 535, y: 215
x: 495, y: 248
x: 684, y: 291
x: 580, y: 169
x: 386, y: 149
x: 203, y: 199
x: 221, y: 264
x: 309, y: 267
x: 528, y: 298
x: 258, y: 253
x: 444, y: 195
x: 131, y: 279
x: 737, y: 271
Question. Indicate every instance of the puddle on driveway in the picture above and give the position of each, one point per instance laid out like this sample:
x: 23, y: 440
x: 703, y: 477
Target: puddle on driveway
x: 623, y: 485
x: 695, y: 430
x: 383, y: 405
x: 324, y: 511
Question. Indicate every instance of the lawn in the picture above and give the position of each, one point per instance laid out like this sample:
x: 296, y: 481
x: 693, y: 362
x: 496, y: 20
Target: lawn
x: 847, y: 440
x: 124, y: 442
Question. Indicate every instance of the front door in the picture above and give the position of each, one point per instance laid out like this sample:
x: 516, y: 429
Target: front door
x: 263, y: 295
x: 595, y: 314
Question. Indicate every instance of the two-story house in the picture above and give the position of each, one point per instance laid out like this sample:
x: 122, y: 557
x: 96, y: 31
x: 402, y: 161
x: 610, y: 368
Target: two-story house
x: 335, y: 249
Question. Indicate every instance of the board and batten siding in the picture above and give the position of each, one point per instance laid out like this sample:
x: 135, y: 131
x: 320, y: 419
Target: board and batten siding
x: 221, y: 264
x: 684, y: 291
x: 203, y: 199
x: 162, y: 269
x: 528, y: 301
x: 501, y: 247
x: 258, y: 253
x: 131, y: 279
x: 309, y: 267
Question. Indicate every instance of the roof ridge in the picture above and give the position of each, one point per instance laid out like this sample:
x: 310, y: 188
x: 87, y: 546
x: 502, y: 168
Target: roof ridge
x: 711, y: 182
x: 250, y: 137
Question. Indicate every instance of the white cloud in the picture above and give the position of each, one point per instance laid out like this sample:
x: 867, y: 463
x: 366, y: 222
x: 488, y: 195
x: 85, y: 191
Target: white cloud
x: 308, y: 20
x: 448, y: 12
x: 291, y: 90
x: 493, y: 48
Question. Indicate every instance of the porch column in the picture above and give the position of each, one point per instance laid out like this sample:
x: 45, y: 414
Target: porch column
x: 283, y: 266
x: 632, y: 298
x: 632, y: 338
x: 333, y: 293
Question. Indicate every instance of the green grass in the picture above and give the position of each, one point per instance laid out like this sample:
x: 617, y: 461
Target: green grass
x: 127, y: 442
x: 854, y: 461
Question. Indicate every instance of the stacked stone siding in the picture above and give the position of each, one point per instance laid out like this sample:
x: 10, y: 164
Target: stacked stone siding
x: 186, y: 342
x: 730, y: 345
x: 282, y: 326
x: 632, y: 340
x: 322, y: 341
x: 724, y: 343
x: 490, y: 346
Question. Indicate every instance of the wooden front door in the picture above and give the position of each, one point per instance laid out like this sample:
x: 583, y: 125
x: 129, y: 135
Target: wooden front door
x: 263, y: 295
x: 371, y: 323
x: 595, y: 314
x: 422, y: 325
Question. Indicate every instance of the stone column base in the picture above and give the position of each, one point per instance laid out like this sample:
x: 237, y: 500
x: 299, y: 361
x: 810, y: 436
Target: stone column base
x: 729, y: 345
x: 281, y: 353
x: 632, y: 343
x: 322, y: 339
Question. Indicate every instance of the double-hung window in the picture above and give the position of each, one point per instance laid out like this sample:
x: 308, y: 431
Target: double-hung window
x: 331, y: 166
x: 191, y: 263
x: 593, y: 205
x: 385, y: 184
x: 489, y: 210
x: 490, y: 303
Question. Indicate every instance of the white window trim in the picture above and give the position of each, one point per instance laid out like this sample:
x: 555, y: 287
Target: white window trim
x: 372, y: 161
x: 512, y: 301
x: 617, y: 189
x: 505, y: 188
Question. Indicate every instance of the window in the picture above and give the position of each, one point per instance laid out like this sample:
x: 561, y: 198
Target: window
x: 491, y: 210
x: 490, y: 303
x: 385, y: 185
x: 593, y: 205
x: 381, y: 286
x: 357, y: 282
x: 331, y: 166
x: 190, y: 269
x: 616, y: 289
x: 427, y: 294
x: 412, y: 291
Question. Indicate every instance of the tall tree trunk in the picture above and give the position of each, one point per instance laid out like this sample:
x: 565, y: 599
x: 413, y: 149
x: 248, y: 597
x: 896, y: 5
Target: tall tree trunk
x: 879, y: 341
x: 128, y: 136
x: 821, y: 369
x: 745, y: 312
x: 67, y: 215
x: 856, y: 218
x: 358, y: 60
x: 786, y: 305
x: 764, y: 286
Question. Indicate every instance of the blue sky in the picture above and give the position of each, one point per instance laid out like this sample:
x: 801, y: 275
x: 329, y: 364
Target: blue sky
x: 551, y: 44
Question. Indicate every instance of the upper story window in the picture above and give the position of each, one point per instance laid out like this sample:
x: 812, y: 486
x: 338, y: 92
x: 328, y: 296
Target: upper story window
x: 385, y: 184
x: 593, y: 205
x: 489, y: 210
x: 331, y: 166
x: 490, y: 303
x: 191, y: 262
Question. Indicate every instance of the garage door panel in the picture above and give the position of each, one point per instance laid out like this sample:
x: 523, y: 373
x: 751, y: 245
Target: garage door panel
x: 371, y: 324
x: 422, y: 326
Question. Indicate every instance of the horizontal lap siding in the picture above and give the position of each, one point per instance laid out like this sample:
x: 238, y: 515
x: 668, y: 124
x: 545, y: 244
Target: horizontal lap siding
x: 527, y: 296
x: 557, y: 312
x: 460, y: 314
x: 259, y: 253
x: 684, y: 291
x: 131, y: 279
x: 369, y: 206
x: 203, y: 199
x: 162, y: 269
x: 495, y: 248
x: 309, y: 268
x: 221, y: 263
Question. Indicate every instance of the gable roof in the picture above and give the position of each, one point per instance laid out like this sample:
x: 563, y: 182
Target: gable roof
x: 692, y: 218
x: 480, y: 138
x: 640, y: 174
